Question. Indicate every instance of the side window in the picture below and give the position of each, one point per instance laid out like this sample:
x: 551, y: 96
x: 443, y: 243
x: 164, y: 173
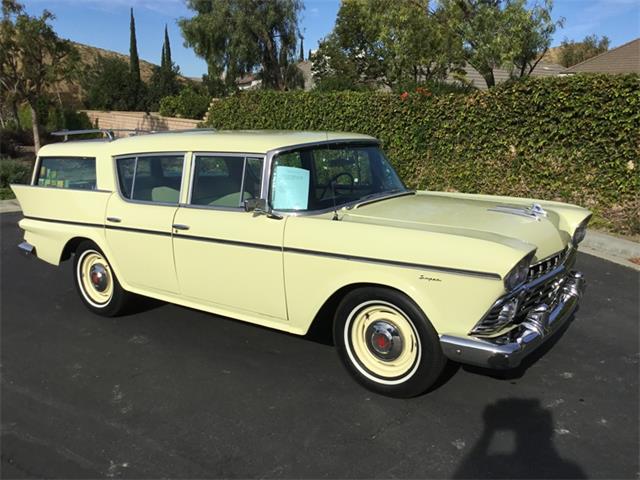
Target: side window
x: 252, y: 178
x: 151, y: 178
x: 67, y: 172
x: 225, y: 181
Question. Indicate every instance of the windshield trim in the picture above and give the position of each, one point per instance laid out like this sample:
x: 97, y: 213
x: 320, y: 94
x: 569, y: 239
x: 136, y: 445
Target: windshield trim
x: 268, y: 171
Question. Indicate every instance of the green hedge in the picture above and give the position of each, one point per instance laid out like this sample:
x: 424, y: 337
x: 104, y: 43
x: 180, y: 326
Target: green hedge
x: 573, y: 139
x: 187, y: 104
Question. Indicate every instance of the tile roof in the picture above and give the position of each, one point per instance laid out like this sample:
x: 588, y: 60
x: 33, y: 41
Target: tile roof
x: 622, y: 59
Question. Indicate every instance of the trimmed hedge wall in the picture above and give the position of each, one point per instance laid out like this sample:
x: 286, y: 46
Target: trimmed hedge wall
x: 574, y: 139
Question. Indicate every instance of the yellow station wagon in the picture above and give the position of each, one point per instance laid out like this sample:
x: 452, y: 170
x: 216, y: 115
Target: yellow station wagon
x: 288, y: 229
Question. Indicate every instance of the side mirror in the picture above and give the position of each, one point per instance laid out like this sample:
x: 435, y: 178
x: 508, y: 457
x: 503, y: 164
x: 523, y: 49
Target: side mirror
x: 259, y: 207
x: 256, y: 205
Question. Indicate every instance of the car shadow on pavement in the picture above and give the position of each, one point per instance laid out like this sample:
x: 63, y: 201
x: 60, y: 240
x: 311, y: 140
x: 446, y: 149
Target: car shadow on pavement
x: 517, y: 442
x: 140, y: 304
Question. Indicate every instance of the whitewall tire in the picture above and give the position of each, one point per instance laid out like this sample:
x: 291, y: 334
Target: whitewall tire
x: 96, y: 282
x: 386, y: 342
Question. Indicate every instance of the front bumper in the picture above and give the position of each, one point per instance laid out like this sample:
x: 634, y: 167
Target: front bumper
x: 509, y: 350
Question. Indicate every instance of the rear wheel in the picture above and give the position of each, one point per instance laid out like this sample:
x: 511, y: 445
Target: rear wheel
x: 96, y: 282
x: 387, y: 343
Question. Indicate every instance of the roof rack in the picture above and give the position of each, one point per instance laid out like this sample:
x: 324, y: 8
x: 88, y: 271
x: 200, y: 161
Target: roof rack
x: 185, y: 130
x: 108, y: 133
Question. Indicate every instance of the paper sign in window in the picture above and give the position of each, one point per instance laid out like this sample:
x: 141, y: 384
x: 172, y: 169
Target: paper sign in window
x: 290, y: 188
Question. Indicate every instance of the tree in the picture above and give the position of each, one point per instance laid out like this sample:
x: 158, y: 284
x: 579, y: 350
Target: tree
x: 32, y: 58
x: 301, y: 48
x: 377, y: 42
x: 237, y: 37
x: 500, y: 33
x: 164, y: 80
x: 166, y: 51
x: 136, y: 87
x: 572, y: 53
x: 106, y: 84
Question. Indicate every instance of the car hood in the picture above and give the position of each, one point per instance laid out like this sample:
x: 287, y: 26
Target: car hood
x: 469, y: 217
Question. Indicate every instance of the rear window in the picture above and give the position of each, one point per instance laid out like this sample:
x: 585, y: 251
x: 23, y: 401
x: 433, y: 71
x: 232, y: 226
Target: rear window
x: 67, y: 172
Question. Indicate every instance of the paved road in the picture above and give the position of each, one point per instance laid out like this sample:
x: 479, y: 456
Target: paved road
x: 172, y: 392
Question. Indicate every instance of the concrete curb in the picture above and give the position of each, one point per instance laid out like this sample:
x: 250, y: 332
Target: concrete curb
x: 599, y: 244
x: 7, y: 206
x: 614, y: 249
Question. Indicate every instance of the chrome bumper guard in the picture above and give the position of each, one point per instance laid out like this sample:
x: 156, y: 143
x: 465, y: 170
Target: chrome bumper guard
x: 508, y: 351
x: 27, y: 248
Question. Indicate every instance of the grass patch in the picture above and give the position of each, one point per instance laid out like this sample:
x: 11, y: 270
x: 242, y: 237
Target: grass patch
x: 6, y: 194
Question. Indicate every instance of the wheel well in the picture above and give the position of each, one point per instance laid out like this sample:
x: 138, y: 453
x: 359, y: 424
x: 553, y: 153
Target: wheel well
x: 71, y: 247
x: 321, y: 328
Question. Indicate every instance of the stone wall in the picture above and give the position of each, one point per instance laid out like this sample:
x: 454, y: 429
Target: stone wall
x: 138, y: 120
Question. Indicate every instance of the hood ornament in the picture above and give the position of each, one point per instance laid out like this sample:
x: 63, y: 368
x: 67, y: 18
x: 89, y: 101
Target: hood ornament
x: 534, y: 210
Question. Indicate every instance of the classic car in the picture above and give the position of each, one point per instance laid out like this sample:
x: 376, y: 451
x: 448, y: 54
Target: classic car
x: 293, y: 229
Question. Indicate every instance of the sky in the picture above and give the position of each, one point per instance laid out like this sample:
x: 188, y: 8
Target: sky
x: 105, y: 24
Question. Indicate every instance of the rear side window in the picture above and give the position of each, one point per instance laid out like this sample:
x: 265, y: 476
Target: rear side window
x: 225, y: 181
x: 150, y: 178
x: 67, y: 172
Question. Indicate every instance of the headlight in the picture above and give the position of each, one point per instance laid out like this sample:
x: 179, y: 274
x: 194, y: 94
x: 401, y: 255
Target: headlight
x: 518, y: 274
x: 580, y: 232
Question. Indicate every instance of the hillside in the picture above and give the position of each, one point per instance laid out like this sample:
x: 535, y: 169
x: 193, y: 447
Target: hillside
x: 71, y: 94
x: 552, y: 55
x: 88, y: 55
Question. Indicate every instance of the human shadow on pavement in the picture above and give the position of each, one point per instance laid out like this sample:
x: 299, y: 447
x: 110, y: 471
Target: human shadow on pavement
x: 517, y: 442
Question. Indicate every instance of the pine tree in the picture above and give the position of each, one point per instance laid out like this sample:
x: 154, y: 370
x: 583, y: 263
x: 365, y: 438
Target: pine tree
x: 134, y: 67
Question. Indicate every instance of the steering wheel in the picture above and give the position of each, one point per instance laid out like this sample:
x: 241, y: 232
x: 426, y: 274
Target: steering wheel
x: 335, y: 178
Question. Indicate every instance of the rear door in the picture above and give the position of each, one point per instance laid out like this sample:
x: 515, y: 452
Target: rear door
x: 139, y: 219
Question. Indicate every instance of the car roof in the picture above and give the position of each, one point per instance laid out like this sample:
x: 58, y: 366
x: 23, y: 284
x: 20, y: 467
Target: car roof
x: 241, y: 141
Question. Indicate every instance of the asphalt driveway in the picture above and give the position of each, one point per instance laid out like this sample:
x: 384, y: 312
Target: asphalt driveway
x: 172, y: 392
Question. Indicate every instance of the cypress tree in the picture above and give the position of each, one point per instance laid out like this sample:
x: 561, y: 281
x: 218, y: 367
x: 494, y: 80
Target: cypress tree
x: 134, y: 65
x: 301, y: 48
x: 166, y: 50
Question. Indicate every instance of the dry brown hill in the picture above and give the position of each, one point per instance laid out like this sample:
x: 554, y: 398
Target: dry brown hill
x: 88, y: 55
x: 71, y: 93
x: 552, y: 55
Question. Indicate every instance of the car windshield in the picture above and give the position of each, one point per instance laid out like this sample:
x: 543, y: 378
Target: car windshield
x: 329, y: 176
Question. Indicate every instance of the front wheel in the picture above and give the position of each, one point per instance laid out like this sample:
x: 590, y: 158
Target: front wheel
x: 96, y: 282
x: 386, y: 342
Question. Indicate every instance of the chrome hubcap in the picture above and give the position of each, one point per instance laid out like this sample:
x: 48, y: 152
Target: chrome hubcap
x: 98, y: 276
x: 384, y: 340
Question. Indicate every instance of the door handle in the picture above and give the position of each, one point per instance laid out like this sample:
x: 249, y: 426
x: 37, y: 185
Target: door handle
x: 179, y: 226
x: 113, y: 219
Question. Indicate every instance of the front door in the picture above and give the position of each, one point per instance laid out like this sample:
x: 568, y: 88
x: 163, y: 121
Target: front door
x: 139, y: 219
x: 224, y: 255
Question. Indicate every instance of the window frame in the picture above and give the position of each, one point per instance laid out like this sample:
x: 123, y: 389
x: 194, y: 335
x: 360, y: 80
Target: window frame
x: 244, y: 157
x: 150, y: 154
x: 35, y: 178
x: 270, y: 164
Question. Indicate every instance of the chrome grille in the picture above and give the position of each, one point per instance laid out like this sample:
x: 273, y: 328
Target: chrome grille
x: 545, y: 266
x: 545, y: 291
x: 489, y: 323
